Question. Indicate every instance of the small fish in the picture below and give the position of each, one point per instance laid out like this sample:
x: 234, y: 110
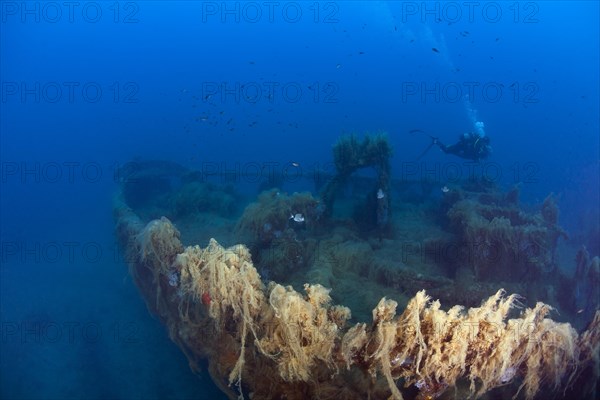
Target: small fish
x: 401, y: 362
x: 579, y: 311
x: 295, y: 164
x: 380, y: 194
x: 435, y: 50
x: 338, y: 66
x: 445, y: 189
x: 297, y: 217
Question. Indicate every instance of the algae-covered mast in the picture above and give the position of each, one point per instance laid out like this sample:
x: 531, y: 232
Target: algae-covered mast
x: 351, y: 154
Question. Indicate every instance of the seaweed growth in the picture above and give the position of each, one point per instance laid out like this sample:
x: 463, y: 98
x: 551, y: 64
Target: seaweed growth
x: 277, y: 228
x: 503, y: 242
x: 196, y: 197
x: 275, y: 213
x: 156, y: 188
x: 349, y: 155
x: 277, y: 343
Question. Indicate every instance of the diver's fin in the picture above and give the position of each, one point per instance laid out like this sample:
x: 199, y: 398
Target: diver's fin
x: 424, y: 133
x: 434, y: 141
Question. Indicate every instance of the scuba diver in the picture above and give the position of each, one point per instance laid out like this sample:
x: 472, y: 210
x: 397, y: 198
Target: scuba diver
x: 471, y: 146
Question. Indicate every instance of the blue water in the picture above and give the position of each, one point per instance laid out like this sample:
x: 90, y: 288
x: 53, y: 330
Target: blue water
x: 224, y: 87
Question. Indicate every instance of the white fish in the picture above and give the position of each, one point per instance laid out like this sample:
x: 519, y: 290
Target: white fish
x: 297, y: 217
x: 445, y: 189
x: 380, y: 194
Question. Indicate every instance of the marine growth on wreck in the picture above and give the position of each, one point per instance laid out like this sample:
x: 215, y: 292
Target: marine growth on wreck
x: 327, y: 294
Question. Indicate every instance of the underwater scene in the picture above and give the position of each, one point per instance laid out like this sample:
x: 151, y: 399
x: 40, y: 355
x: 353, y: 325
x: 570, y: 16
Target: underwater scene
x: 299, y: 200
